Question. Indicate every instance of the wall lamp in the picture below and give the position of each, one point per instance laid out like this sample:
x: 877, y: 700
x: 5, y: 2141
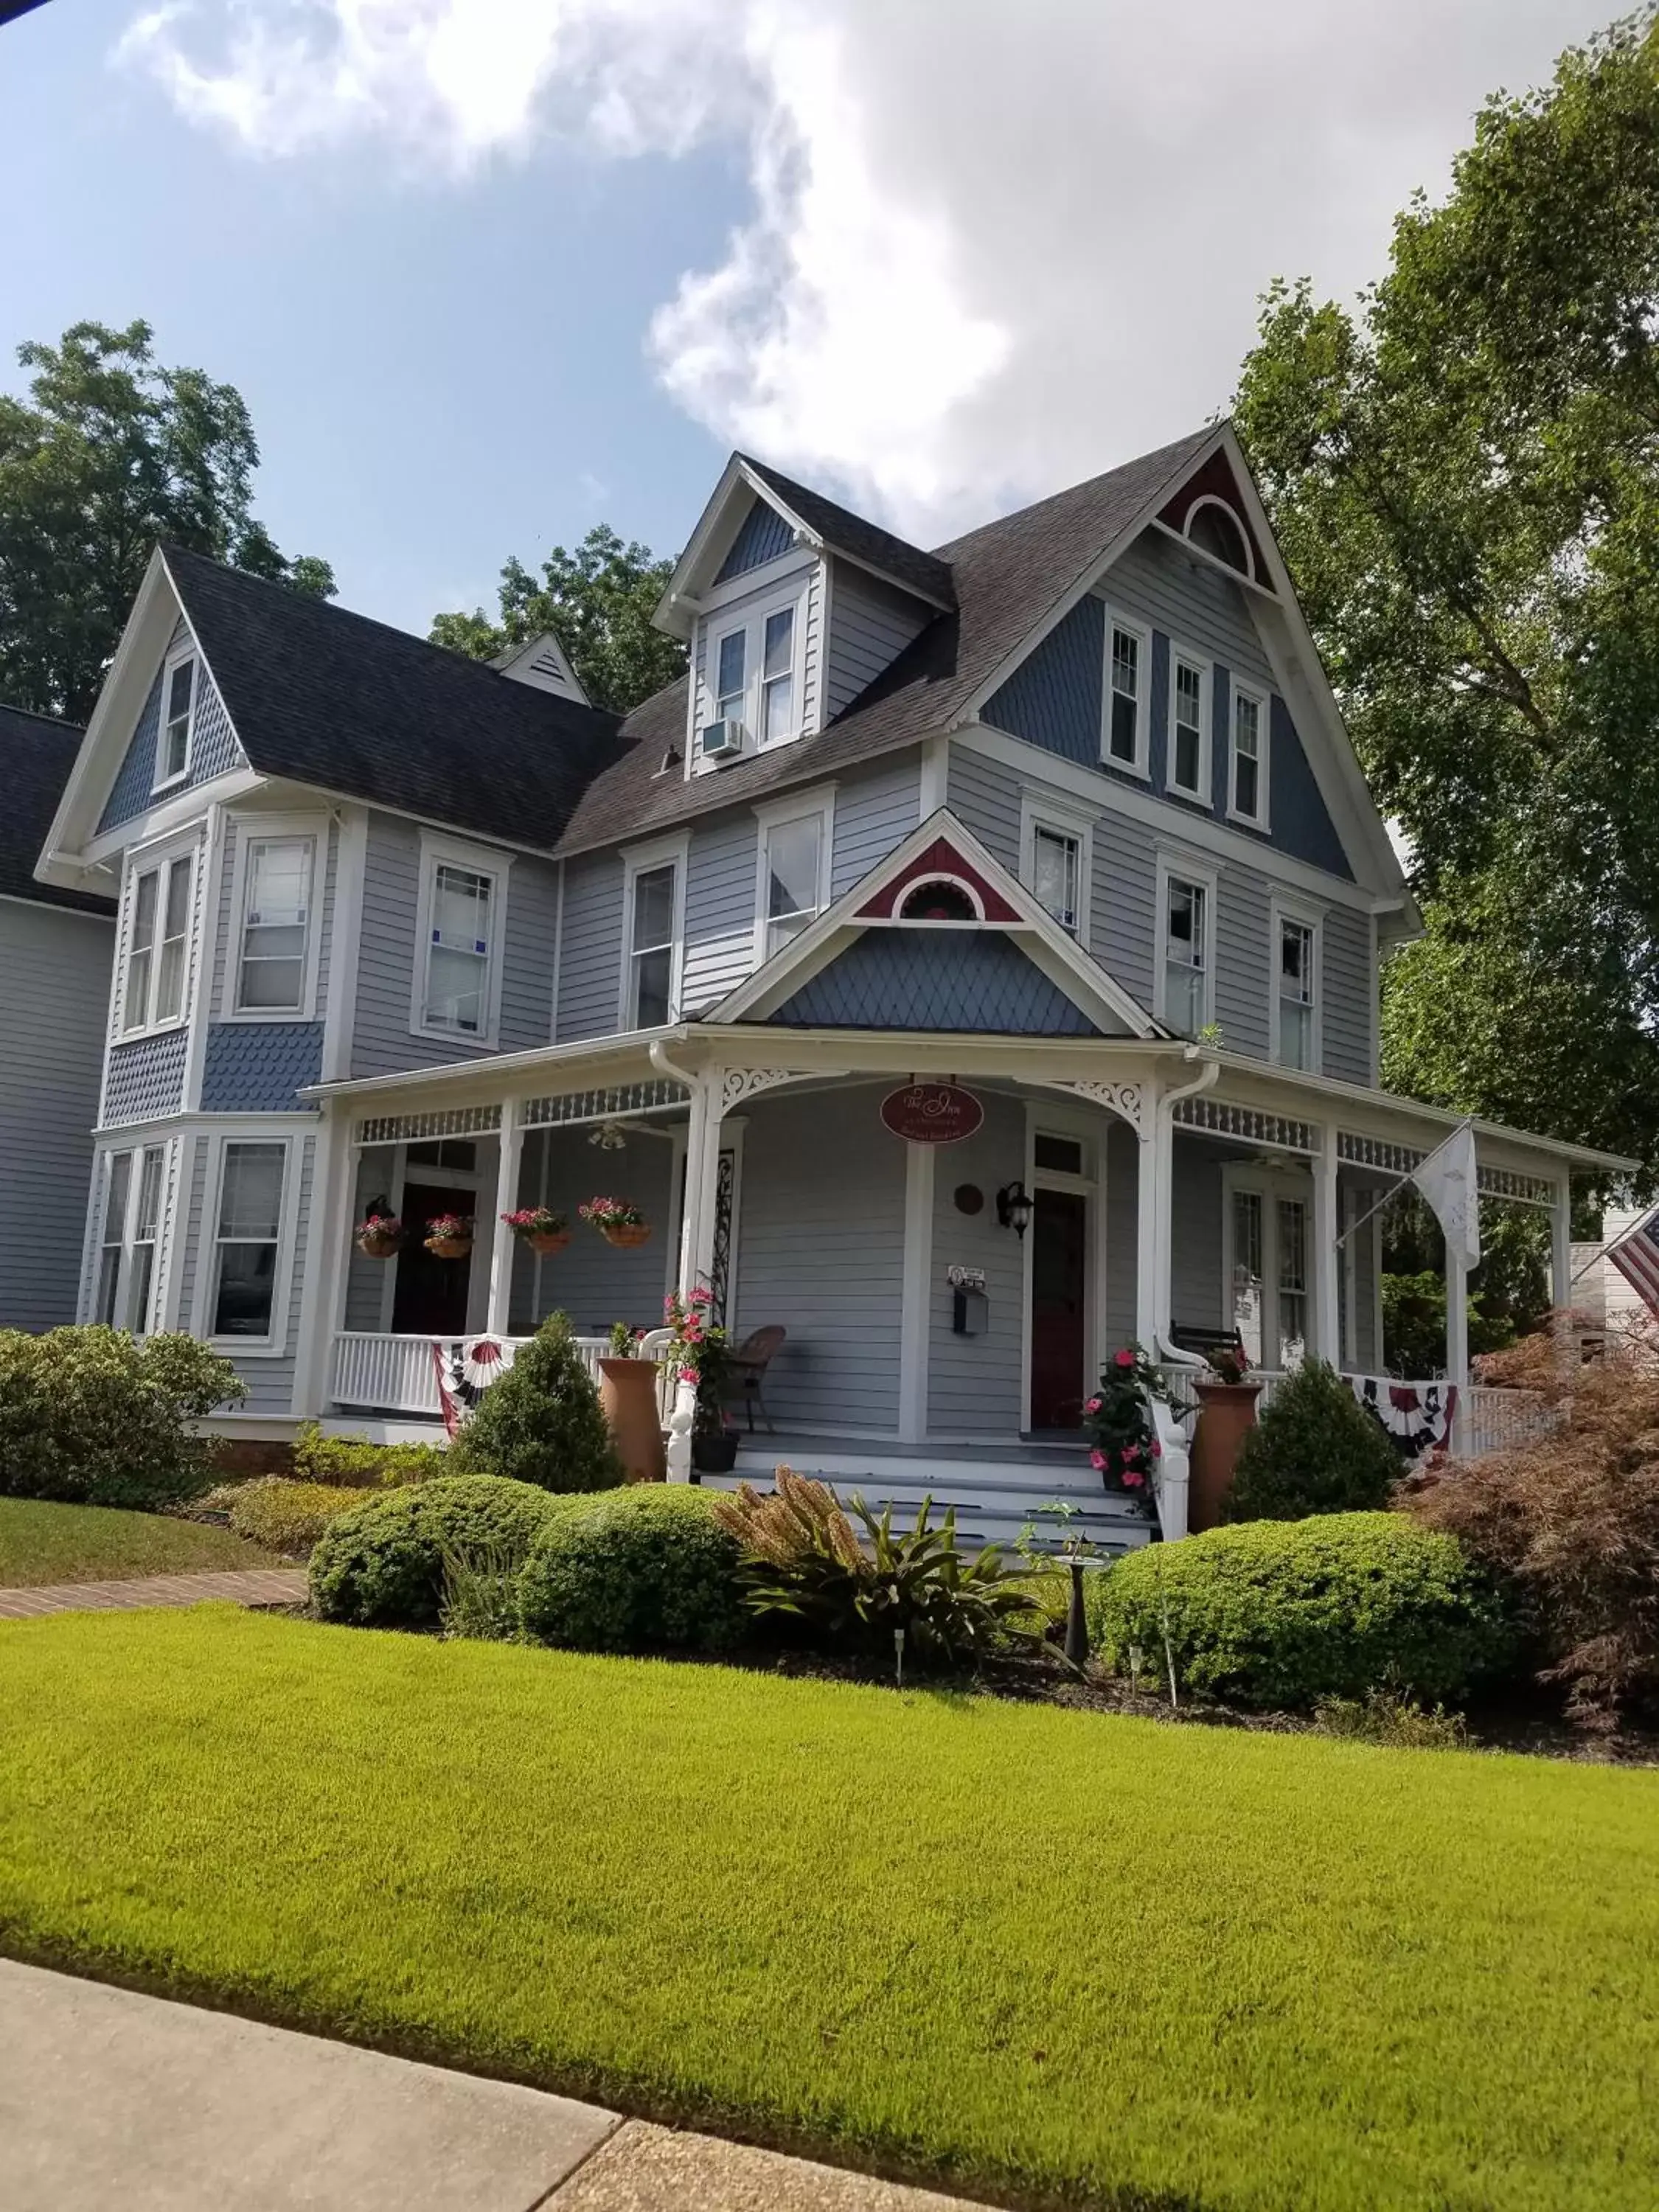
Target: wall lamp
x: 1014, y: 1207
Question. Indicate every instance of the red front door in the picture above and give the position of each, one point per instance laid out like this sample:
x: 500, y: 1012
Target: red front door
x: 431, y: 1294
x: 1058, y: 1232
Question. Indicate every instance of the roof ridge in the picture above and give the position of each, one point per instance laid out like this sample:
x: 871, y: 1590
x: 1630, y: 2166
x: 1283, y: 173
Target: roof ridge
x: 34, y: 715
x: 952, y: 546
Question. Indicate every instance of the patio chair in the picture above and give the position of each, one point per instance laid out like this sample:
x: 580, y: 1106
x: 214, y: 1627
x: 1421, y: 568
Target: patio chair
x: 748, y: 1370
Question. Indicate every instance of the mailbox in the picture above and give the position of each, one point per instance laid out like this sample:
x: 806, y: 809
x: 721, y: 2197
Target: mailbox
x: 971, y: 1309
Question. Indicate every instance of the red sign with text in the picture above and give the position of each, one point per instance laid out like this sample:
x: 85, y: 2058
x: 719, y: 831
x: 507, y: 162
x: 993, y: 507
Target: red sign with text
x: 931, y: 1113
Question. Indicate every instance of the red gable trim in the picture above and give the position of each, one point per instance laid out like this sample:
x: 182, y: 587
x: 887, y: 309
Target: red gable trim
x: 940, y: 859
x: 1216, y: 478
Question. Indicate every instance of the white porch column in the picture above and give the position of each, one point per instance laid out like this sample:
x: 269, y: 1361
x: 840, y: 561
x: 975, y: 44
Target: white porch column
x: 703, y: 1170
x: 510, y: 1152
x: 1457, y: 1320
x: 916, y: 1295
x: 327, y: 1256
x: 1561, y: 1246
x: 1326, y: 1260
x: 1154, y: 1180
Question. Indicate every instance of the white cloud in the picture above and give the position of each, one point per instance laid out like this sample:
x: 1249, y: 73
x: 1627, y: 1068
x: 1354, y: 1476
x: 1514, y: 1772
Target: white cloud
x: 992, y: 248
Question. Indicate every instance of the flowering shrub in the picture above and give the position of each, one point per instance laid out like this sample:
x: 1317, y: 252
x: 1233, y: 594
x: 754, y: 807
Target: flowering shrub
x: 612, y: 1213
x: 1230, y: 1363
x: 1119, y: 1418
x: 699, y: 1351
x: 444, y: 1225
x: 536, y: 1221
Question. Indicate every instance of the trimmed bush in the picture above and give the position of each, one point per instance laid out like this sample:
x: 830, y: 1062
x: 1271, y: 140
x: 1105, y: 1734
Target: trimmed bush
x: 1316, y: 1449
x: 645, y: 1569
x: 88, y: 1416
x: 381, y: 1564
x: 283, y: 1515
x: 541, y: 1423
x: 355, y: 1463
x: 1283, y: 1613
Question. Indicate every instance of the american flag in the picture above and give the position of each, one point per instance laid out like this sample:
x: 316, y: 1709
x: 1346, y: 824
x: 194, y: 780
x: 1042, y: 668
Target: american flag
x: 1635, y: 1256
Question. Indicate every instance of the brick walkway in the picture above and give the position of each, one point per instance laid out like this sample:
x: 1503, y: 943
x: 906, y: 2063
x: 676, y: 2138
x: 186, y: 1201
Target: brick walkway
x: 261, y: 1586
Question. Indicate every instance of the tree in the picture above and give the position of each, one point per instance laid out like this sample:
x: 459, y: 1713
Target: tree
x: 109, y: 452
x: 597, y: 602
x: 1465, y: 481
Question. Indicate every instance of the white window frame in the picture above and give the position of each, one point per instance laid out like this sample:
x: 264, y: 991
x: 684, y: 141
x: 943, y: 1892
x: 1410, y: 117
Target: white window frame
x: 1211, y: 499
x: 1178, y: 868
x: 1141, y: 764
x: 274, y: 1344
x: 159, y: 861
x: 1280, y: 911
x: 1245, y: 689
x: 1204, y: 669
x: 1270, y: 1185
x: 126, y: 1243
x: 641, y: 860
x: 479, y: 859
x: 775, y: 814
x: 253, y: 829
x: 176, y: 659
x: 1039, y: 811
x: 793, y: 597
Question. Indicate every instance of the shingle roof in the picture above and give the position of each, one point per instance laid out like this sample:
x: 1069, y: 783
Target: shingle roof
x: 843, y: 532
x: 331, y: 699
x: 1007, y: 575
x: 36, y: 755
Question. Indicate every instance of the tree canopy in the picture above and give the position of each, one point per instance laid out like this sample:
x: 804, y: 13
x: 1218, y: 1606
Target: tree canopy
x: 109, y: 452
x: 597, y: 602
x: 1464, y: 478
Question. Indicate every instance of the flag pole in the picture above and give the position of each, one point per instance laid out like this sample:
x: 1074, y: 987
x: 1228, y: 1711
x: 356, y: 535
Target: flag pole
x: 1410, y: 1176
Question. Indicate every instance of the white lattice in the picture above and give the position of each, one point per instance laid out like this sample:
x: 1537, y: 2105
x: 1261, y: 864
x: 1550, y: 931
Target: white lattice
x: 1248, y: 1125
x: 661, y: 1095
x: 410, y: 1129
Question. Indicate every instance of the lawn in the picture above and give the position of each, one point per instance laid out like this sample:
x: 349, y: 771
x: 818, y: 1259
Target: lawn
x: 92, y: 1544
x: 1049, y: 1955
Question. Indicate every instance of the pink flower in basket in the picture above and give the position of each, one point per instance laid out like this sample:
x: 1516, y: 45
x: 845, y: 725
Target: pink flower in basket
x: 1124, y: 1359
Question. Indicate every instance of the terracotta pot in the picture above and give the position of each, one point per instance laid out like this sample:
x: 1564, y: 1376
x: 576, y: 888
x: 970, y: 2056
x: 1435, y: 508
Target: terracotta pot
x: 626, y: 1236
x: 1225, y: 1412
x: 380, y: 1248
x: 628, y: 1394
x: 450, y: 1247
x: 547, y: 1240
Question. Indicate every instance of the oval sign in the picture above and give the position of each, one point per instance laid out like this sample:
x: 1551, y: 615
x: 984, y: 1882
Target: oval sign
x: 931, y: 1113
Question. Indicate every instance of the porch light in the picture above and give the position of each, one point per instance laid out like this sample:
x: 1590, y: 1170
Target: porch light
x: 1014, y: 1207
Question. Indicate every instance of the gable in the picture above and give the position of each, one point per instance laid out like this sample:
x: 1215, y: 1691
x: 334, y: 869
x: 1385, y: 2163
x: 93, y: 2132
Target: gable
x: 214, y: 750
x: 763, y: 535
x: 977, y: 981
x: 1214, y: 480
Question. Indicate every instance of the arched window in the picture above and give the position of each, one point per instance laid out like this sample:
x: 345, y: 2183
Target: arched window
x: 1216, y: 530
x: 938, y: 899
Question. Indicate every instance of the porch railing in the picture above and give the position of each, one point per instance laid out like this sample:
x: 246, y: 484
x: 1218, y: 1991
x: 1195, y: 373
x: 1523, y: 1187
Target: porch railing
x: 1486, y: 1420
x: 395, y: 1374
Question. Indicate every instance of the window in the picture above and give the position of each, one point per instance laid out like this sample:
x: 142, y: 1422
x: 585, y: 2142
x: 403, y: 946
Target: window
x: 178, y: 714
x: 1058, y: 1155
x: 650, y: 952
x: 1293, y: 1258
x: 247, y: 1239
x: 270, y: 976
x: 731, y: 677
x: 1216, y: 531
x: 794, y: 853
x: 1186, y: 954
x: 458, y: 971
x: 146, y: 1228
x: 778, y: 677
x: 1189, y: 686
x: 1268, y: 1255
x: 1248, y: 797
x: 1294, y: 984
x: 1126, y: 661
x: 938, y: 899
x: 751, y: 676
x: 1056, y: 866
x: 126, y: 1293
x: 117, y: 1186
x: 158, y: 945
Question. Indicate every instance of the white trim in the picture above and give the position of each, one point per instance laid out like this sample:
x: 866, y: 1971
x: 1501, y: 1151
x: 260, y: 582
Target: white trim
x: 345, y: 941
x: 1052, y: 1117
x: 772, y: 814
x: 1174, y: 866
x: 933, y: 785
x: 275, y: 1345
x: 488, y: 860
x: 1141, y: 765
x: 916, y: 1301
x: 792, y: 596
x: 1241, y: 687
x: 205, y: 935
x: 1203, y: 668
x: 1211, y: 499
x: 794, y: 561
x: 672, y: 851
x: 251, y: 828
x: 1060, y: 820
x: 1280, y: 911
x: 175, y: 659
x: 158, y: 859
x: 182, y: 808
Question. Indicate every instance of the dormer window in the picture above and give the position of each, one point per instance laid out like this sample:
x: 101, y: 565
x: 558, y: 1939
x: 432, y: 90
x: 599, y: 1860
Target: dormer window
x: 751, y: 692
x: 778, y: 677
x: 938, y: 899
x: 177, y: 718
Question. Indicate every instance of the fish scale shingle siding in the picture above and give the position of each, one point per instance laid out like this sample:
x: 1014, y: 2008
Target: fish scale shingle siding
x: 256, y: 1067
x: 145, y: 1080
x: 213, y: 748
x: 971, y: 979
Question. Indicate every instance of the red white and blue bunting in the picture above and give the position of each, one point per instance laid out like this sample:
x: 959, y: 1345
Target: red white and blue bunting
x: 1418, y: 1416
x: 465, y: 1368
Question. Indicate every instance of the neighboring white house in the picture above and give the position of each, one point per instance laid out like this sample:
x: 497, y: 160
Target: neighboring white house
x: 1062, y: 813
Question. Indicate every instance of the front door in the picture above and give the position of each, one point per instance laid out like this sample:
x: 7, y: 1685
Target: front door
x: 431, y: 1295
x: 1059, y: 1281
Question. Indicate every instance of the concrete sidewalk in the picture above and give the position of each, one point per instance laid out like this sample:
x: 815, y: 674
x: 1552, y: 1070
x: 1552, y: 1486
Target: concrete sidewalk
x: 114, y: 2102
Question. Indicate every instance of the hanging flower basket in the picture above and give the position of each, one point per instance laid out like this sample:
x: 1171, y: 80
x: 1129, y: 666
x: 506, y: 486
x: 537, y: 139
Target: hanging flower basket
x: 539, y: 1227
x: 618, y: 1221
x: 381, y: 1237
x: 449, y: 1235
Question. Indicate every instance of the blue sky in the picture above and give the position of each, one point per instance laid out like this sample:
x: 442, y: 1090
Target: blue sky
x: 488, y: 271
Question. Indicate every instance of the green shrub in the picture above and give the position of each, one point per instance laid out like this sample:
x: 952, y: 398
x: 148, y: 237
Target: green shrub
x: 90, y: 1416
x: 381, y: 1564
x: 1283, y: 1613
x: 541, y: 1423
x: 1398, y: 1722
x: 1316, y: 1449
x: 644, y: 1569
x: 283, y: 1515
x: 358, y: 1464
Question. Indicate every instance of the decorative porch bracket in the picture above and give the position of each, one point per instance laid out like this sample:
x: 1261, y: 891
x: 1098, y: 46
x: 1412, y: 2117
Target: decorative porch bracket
x: 1127, y: 1100
x: 740, y: 1083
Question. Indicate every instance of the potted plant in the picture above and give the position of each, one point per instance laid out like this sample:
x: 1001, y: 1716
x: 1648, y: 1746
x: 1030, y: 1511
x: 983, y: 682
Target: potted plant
x: 627, y: 1392
x: 1125, y: 1451
x: 1227, y: 1414
x: 540, y: 1228
x: 449, y: 1235
x: 379, y: 1236
x: 618, y: 1221
x: 700, y: 1355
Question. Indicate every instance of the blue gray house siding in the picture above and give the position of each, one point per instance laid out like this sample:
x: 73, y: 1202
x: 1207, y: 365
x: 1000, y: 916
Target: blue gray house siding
x: 869, y: 624
x: 720, y: 907
x: 54, y: 1002
x: 762, y: 537
x: 146, y: 1078
x: 590, y: 947
x: 974, y: 1382
x: 971, y: 979
x: 874, y: 813
x: 213, y: 752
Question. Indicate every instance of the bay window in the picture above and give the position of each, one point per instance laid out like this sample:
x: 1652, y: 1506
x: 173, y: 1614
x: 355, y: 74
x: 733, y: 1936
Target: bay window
x: 247, y: 1240
x: 276, y: 898
x: 158, y: 944
x: 125, y: 1293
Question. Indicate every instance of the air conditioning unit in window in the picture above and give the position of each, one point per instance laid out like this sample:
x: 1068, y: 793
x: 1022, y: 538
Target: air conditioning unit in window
x: 720, y: 740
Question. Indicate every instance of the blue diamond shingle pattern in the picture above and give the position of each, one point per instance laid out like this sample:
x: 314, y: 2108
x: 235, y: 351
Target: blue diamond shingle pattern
x: 935, y: 979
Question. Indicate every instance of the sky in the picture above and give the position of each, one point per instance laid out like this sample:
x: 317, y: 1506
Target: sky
x: 491, y: 271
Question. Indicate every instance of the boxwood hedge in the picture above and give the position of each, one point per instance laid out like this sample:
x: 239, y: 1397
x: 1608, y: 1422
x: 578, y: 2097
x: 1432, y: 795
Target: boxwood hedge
x: 643, y: 1569
x: 381, y: 1564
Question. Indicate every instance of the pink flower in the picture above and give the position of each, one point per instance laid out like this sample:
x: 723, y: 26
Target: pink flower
x: 1093, y: 1406
x: 1131, y: 1480
x: 1097, y: 1461
x: 701, y: 1298
x: 688, y: 1374
x: 1132, y: 1455
x: 1125, y: 1359
x: 1156, y: 1449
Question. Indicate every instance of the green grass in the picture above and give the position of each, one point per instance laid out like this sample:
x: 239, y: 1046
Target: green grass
x: 92, y: 1544
x: 1047, y: 1955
